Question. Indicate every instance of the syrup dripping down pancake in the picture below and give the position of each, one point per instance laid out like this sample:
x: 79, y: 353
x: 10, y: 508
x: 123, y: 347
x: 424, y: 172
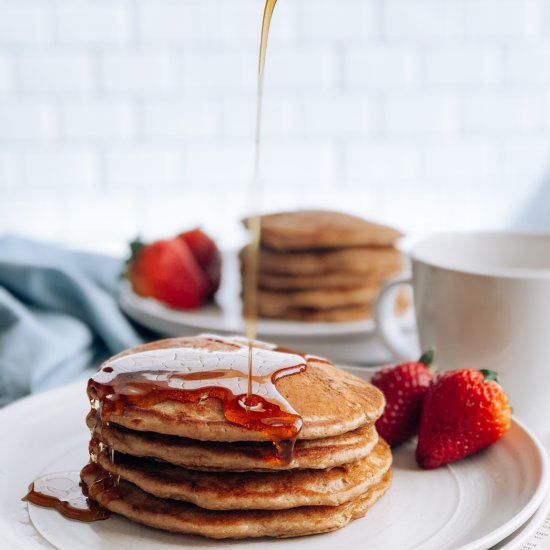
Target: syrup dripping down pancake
x: 237, y: 456
x: 142, y: 388
x: 330, y: 401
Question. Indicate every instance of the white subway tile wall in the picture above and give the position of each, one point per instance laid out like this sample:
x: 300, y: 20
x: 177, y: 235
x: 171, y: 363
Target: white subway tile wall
x: 120, y: 117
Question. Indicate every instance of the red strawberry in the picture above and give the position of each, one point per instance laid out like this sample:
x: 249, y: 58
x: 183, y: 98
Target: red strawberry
x: 464, y: 411
x: 167, y: 270
x: 404, y: 387
x: 207, y: 255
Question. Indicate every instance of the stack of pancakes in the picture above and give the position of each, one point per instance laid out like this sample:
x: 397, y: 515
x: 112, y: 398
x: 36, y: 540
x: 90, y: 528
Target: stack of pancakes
x: 322, y: 266
x: 182, y: 467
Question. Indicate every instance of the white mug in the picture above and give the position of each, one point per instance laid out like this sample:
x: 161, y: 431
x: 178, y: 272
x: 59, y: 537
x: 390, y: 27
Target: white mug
x: 482, y: 301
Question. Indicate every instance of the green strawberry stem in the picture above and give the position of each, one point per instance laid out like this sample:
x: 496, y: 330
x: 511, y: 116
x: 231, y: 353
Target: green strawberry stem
x: 135, y: 246
x: 489, y: 375
x: 427, y: 357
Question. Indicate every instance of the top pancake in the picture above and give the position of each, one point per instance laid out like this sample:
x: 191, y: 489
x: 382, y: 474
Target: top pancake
x: 321, y: 229
x: 330, y: 401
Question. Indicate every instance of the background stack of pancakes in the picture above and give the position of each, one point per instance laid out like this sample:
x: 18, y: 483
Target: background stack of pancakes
x: 322, y: 266
x: 182, y: 467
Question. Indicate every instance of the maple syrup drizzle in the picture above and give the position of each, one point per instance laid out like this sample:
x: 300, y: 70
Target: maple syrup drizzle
x: 250, y: 293
x: 64, y: 493
x: 191, y: 375
x: 105, y: 483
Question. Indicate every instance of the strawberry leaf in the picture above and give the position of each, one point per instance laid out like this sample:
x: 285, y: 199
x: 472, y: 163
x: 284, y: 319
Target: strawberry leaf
x: 490, y: 375
x: 135, y: 246
x: 427, y: 357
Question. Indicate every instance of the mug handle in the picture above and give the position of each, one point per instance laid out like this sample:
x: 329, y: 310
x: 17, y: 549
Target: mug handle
x: 387, y: 327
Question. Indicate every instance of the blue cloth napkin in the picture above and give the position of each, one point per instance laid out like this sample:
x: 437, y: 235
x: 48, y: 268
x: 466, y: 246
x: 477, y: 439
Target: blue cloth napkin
x: 58, y: 314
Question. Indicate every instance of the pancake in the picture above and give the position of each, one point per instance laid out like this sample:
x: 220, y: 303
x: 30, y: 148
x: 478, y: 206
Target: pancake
x: 276, y: 282
x: 321, y: 229
x: 372, y: 261
x: 170, y: 515
x: 330, y: 401
x: 333, y: 315
x: 251, y: 490
x: 274, y: 303
x: 239, y: 456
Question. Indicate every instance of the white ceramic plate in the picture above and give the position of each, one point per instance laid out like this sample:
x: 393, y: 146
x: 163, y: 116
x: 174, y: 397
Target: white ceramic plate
x: 471, y: 505
x: 225, y: 315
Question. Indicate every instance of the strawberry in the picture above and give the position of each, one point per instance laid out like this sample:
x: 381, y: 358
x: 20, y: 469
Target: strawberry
x: 207, y: 255
x: 404, y: 387
x: 464, y: 411
x: 167, y: 270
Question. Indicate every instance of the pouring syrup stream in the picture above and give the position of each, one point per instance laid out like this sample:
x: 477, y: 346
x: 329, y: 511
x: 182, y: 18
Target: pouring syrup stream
x: 254, y: 222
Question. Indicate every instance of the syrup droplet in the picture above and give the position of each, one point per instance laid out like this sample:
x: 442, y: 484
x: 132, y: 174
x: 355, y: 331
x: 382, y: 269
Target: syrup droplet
x: 62, y: 491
